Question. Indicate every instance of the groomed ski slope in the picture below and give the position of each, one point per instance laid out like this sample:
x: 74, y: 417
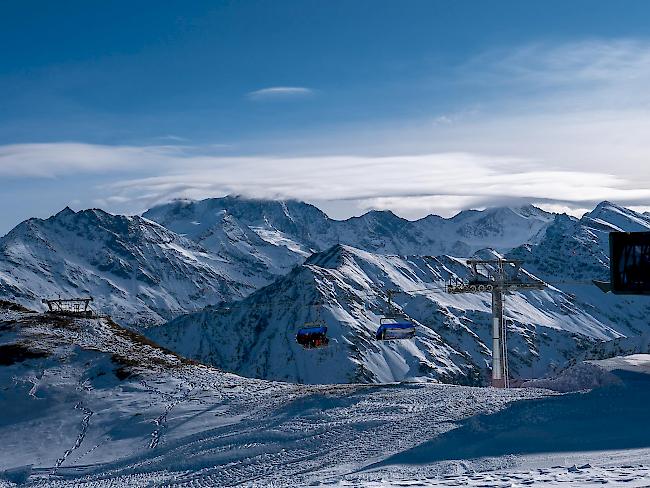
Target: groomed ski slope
x: 589, y: 438
x: 105, y: 408
x: 70, y: 415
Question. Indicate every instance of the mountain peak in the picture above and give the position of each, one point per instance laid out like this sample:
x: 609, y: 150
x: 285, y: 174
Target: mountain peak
x: 607, y: 205
x: 329, y: 258
x: 464, y: 214
x: 65, y: 212
x: 618, y: 217
x: 530, y: 210
x: 381, y: 216
x: 68, y: 212
x: 525, y: 211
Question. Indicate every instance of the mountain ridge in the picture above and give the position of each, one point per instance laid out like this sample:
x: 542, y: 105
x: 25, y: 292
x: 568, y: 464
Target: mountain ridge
x: 377, y: 230
x: 547, y: 329
x: 218, y: 250
x: 136, y: 269
x: 452, y: 343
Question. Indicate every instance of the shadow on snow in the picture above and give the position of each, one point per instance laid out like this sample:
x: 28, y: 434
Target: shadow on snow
x: 612, y: 417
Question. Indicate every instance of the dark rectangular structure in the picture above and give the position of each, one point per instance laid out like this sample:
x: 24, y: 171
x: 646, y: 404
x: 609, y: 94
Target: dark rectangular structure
x: 630, y: 262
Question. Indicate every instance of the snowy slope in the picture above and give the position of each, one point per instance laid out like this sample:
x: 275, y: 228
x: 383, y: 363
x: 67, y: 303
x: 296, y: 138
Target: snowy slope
x: 573, y: 252
x: 594, y: 438
x: 88, y: 403
x: 137, y: 270
x: 246, y: 229
x: 255, y: 337
x: 291, y: 230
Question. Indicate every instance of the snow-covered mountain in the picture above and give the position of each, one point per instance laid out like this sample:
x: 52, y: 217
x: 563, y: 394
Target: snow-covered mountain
x: 185, y: 255
x: 302, y: 229
x: 137, y: 270
x: 573, y: 252
x: 548, y: 329
x: 578, y: 249
x: 255, y: 336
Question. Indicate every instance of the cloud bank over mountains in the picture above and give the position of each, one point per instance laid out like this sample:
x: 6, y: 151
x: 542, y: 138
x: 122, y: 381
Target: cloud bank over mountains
x: 413, y: 185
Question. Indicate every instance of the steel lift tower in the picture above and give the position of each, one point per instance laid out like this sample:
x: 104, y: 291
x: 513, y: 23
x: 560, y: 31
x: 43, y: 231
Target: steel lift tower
x: 498, y: 277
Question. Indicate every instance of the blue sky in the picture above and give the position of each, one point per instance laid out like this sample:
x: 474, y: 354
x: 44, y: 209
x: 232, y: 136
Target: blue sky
x: 417, y: 106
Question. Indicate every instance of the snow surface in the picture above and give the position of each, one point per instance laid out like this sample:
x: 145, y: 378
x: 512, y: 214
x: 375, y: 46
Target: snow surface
x: 581, y: 439
x: 569, y: 470
x: 639, y: 363
x: 101, y: 407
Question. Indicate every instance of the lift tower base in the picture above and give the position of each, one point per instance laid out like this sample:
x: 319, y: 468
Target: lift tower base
x: 498, y: 277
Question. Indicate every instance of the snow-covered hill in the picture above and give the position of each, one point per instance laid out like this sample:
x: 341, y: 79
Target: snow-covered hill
x: 137, y: 270
x: 87, y: 403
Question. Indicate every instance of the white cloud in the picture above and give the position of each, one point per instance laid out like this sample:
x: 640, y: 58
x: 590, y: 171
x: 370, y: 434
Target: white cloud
x: 280, y: 93
x: 55, y: 159
x: 416, y: 185
x: 412, y: 185
x: 579, y: 68
x: 173, y: 138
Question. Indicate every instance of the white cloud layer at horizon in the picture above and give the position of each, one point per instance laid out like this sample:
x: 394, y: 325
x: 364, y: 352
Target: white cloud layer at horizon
x: 412, y: 185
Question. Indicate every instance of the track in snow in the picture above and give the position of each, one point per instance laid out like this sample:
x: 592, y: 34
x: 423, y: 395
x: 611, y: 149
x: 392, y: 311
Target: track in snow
x: 231, y: 432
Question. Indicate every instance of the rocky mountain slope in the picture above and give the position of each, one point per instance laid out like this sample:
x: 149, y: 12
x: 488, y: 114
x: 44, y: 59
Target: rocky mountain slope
x: 303, y: 229
x: 575, y: 251
x: 255, y: 336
